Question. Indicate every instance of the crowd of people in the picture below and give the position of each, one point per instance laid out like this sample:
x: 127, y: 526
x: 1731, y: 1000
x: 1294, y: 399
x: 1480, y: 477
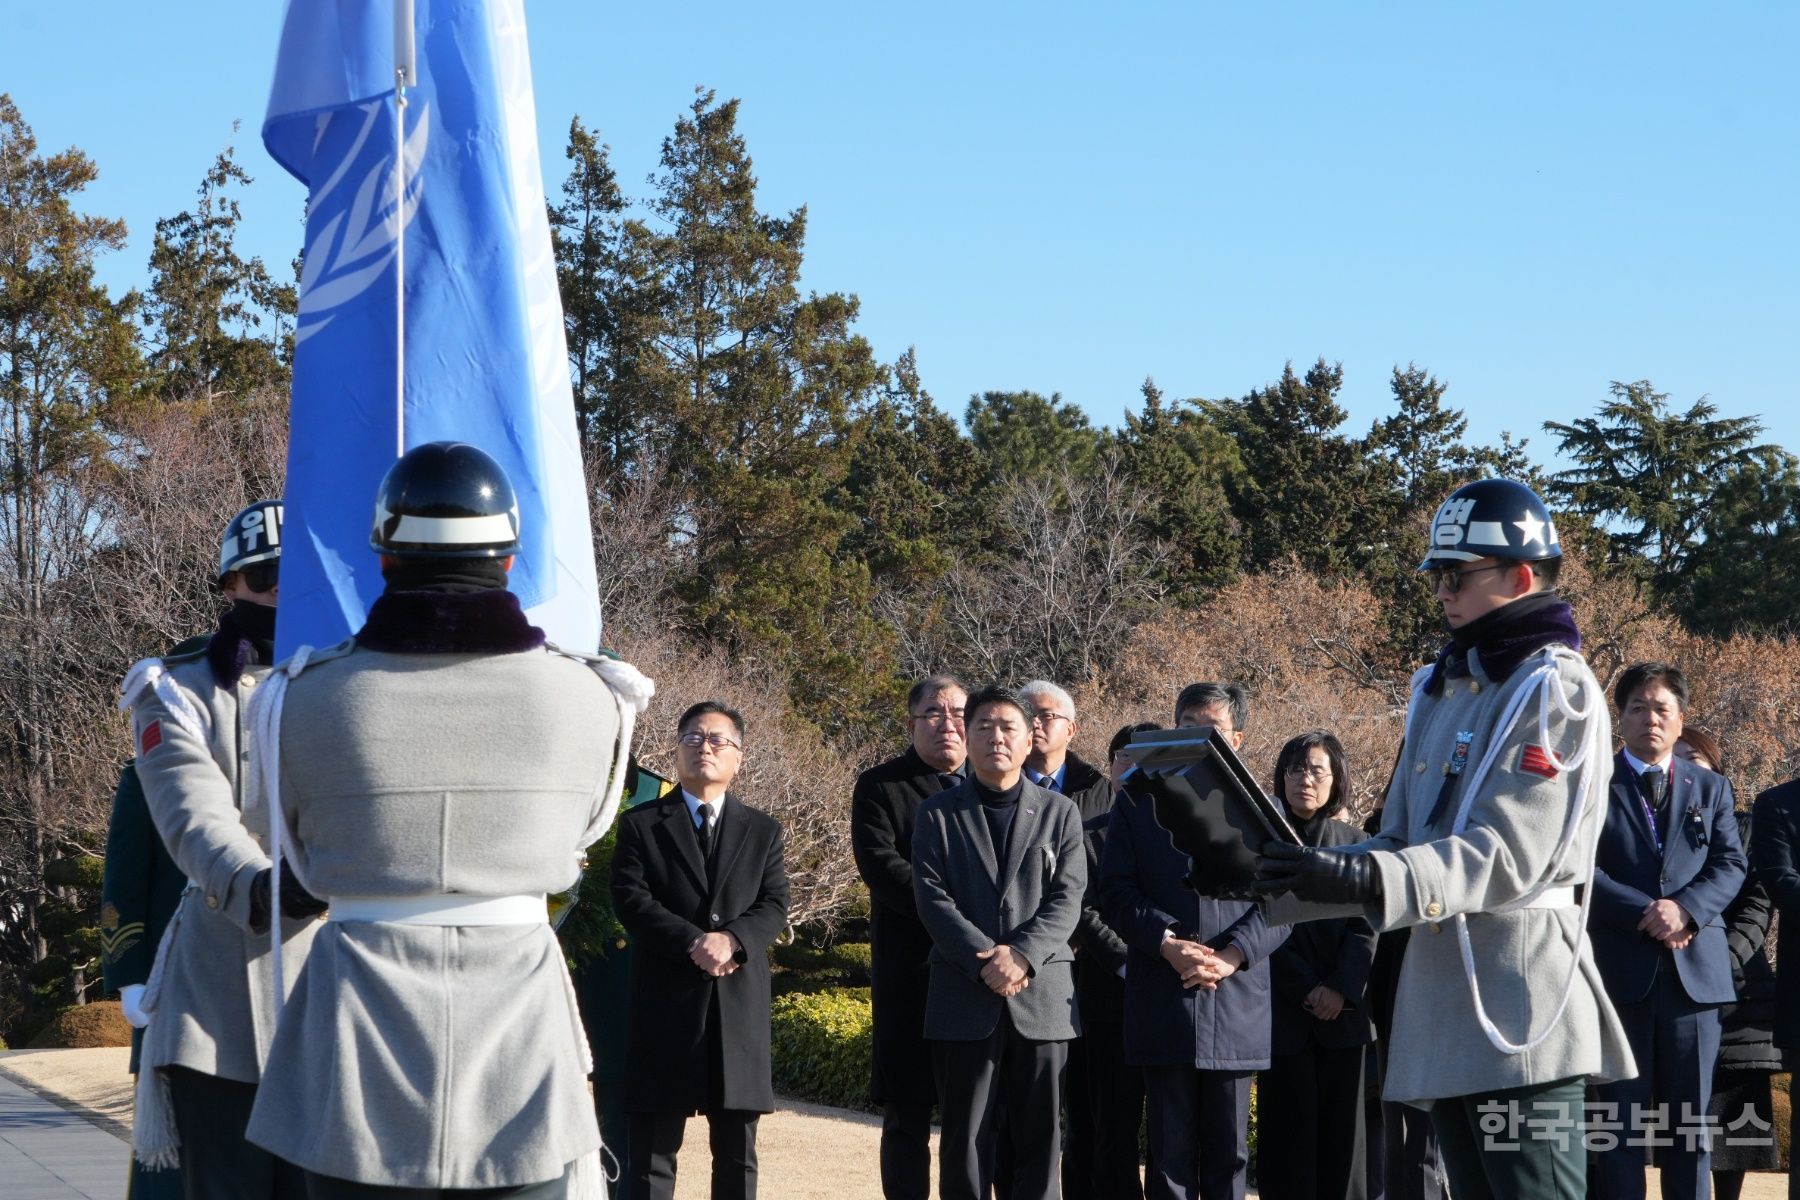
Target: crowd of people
x: 1536, y: 967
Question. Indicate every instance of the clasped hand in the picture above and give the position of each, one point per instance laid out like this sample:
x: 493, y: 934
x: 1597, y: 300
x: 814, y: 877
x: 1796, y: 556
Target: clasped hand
x: 1668, y: 923
x: 715, y: 954
x: 1004, y: 970
x: 1198, y: 964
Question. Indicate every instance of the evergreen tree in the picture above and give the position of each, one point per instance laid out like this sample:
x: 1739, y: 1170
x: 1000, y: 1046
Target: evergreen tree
x: 600, y: 319
x: 219, y: 324
x: 1305, y: 491
x: 1181, y: 458
x: 1023, y: 435
x: 759, y: 388
x: 911, y: 486
x: 1649, y: 475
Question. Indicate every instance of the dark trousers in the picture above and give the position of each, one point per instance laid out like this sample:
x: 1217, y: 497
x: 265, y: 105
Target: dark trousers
x: 1517, y: 1160
x: 656, y: 1137
x: 326, y: 1187
x: 1411, y: 1168
x: 906, y: 1150
x: 1104, y: 1099
x: 977, y: 1081
x: 1675, y: 1042
x: 1311, y: 1102
x: 211, y: 1115
x: 1199, y: 1126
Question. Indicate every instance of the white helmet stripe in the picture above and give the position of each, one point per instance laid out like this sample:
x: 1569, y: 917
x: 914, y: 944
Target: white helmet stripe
x: 453, y: 531
x: 1487, y: 533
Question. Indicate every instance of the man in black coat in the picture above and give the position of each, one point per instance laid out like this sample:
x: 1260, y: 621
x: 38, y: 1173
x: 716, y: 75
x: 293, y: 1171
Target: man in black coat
x: 883, y: 810
x: 1053, y: 766
x: 1775, y: 857
x: 699, y: 882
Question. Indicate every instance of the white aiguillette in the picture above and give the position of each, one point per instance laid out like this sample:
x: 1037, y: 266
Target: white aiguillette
x: 1215, y: 812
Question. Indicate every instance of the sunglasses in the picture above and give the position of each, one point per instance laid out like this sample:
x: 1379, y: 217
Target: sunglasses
x: 261, y: 576
x: 1451, y: 578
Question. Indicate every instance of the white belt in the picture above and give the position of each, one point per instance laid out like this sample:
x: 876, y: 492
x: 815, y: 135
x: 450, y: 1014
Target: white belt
x: 1556, y: 897
x: 443, y: 909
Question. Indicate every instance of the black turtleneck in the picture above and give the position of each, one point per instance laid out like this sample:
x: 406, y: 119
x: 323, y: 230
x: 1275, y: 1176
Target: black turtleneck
x: 998, y: 808
x: 256, y: 625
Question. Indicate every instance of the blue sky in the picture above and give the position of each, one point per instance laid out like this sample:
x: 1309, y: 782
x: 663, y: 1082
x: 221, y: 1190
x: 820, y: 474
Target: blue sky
x: 1530, y: 200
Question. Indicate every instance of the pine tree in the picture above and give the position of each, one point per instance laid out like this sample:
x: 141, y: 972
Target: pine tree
x: 1649, y: 475
x: 1180, y: 457
x: 1023, y: 435
x: 220, y: 326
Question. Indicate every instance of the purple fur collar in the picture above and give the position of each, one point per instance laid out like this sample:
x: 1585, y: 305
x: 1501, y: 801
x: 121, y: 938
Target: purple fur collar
x: 446, y: 623
x: 229, y: 652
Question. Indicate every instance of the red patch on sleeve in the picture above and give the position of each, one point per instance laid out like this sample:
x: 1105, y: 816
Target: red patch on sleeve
x: 1537, y: 760
x: 151, y: 738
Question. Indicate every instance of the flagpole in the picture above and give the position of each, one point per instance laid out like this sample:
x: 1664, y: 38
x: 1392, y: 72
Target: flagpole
x: 405, y: 74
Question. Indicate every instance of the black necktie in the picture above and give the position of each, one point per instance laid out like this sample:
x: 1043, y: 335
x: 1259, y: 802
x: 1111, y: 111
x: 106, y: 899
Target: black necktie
x: 948, y: 779
x: 1656, y: 793
x: 705, y: 830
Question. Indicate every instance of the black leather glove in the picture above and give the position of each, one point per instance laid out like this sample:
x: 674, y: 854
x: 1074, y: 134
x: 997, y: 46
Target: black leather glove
x: 296, y: 902
x: 1317, y: 874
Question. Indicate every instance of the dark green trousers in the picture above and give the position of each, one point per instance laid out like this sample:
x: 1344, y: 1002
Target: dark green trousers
x: 1516, y: 1142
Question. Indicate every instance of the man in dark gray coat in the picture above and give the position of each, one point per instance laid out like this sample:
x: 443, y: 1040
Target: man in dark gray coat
x: 998, y: 869
x: 699, y: 882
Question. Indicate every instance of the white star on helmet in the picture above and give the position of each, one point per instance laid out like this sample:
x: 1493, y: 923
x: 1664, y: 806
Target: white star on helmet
x: 1531, y: 528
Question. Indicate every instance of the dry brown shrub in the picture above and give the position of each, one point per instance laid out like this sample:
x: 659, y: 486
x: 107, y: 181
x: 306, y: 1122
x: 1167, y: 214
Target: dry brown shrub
x: 1310, y: 651
x: 85, y: 1027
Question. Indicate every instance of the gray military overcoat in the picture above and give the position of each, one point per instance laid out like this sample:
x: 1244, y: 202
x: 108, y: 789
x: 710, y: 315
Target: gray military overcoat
x: 430, y: 1056
x: 969, y: 901
x: 1429, y: 875
x: 215, y: 995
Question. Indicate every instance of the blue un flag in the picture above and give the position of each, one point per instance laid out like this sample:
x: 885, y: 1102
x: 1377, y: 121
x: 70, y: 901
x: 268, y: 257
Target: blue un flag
x: 449, y: 185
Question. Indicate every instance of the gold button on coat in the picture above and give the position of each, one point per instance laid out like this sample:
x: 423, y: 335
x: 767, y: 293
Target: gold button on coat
x: 1434, y: 909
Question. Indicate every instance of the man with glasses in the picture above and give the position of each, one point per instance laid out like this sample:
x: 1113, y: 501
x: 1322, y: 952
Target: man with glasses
x: 998, y: 871
x: 1197, y: 1016
x: 699, y: 882
x: 1487, y: 842
x: 209, y: 1004
x: 884, y: 808
x: 1053, y: 766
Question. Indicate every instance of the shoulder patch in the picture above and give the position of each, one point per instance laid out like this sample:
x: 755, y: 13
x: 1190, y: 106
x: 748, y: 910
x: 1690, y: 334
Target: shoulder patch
x: 1539, y: 761
x: 149, y: 738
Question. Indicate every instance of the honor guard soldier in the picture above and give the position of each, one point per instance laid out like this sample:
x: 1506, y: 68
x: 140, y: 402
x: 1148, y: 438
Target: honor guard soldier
x: 1487, y: 841
x: 138, y: 894
x: 437, y: 776
x: 210, y: 995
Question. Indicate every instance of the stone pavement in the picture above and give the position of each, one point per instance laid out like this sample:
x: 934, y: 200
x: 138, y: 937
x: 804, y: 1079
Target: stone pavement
x: 48, y: 1152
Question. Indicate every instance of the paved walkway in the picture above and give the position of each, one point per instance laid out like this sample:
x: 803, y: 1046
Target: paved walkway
x: 50, y: 1153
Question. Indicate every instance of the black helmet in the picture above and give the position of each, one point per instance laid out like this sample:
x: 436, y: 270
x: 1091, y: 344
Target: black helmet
x: 253, y: 536
x: 1491, y: 518
x: 446, y: 500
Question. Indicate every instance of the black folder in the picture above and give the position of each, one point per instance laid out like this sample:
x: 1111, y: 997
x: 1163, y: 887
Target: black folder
x: 1213, y: 809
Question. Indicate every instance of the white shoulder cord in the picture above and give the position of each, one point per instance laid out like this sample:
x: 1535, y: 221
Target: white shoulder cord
x: 151, y: 672
x: 633, y: 691
x: 265, y: 746
x: 1544, y: 684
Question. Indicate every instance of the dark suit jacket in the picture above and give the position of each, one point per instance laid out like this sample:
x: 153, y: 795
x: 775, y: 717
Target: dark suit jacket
x: 1141, y: 895
x: 1701, y: 868
x: 662, y: 897
x: 1099, y: 950
x: 1775, y: 851
x: 883, y: 810
x: 974, y: 895
x: 1338, y: 953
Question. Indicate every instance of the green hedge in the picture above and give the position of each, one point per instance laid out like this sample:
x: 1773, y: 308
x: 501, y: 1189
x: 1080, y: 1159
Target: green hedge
x: 822, y: 1046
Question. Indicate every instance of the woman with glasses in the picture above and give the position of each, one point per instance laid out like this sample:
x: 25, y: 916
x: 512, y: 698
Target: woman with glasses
x: 1310, y: 1100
